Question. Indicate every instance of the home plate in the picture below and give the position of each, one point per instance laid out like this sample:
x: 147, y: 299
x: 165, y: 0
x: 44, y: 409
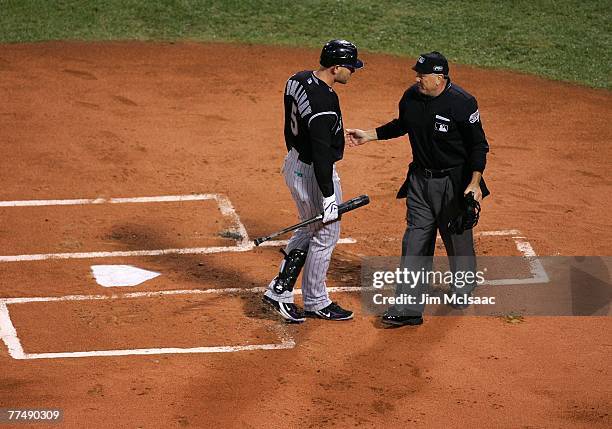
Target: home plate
x: 121, y: 275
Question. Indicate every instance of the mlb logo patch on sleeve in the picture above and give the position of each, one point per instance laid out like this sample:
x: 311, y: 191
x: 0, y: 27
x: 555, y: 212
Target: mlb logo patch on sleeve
x: 474, y: 117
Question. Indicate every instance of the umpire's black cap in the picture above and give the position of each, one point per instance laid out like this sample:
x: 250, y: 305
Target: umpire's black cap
x: 340, y: 53
x: 432, y: 62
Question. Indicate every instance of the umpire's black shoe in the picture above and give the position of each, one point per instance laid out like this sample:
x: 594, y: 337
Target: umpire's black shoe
x: 289, y: 311
x: 394, y: 318
x: 332, y: 312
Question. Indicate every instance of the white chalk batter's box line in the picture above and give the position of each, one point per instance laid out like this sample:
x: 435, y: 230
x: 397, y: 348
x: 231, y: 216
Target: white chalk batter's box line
x: 8, y: 333
x: 244, y: 244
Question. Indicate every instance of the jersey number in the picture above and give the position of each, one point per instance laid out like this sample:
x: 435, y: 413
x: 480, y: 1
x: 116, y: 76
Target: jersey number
x: 294, y: 124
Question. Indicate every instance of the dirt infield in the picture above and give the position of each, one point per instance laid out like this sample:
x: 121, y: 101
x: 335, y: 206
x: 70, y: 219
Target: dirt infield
x: 126, y: 120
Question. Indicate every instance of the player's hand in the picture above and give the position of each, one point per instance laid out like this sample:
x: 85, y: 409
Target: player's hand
x: 475, y: 188
x: 356, y: 137
x: 330, y: 209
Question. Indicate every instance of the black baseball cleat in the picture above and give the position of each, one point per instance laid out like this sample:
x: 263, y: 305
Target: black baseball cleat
x: 332, y: 312
x: 394, y: 318
x: 289, y: 311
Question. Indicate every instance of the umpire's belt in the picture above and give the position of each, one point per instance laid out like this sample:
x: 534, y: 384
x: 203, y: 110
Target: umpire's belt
x: 432, y: 173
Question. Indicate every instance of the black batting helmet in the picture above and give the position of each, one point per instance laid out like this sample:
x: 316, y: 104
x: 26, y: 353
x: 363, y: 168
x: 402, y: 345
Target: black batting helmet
x: 340, y: 53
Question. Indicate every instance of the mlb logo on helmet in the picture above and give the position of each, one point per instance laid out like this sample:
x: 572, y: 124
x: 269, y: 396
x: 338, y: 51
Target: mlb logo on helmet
x: 421, y: 60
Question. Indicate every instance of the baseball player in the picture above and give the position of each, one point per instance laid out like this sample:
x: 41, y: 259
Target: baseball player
x: 449, y: 151
x: 314, y: 136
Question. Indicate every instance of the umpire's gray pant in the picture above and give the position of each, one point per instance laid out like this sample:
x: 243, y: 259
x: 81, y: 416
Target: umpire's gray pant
x: 317, y: 239
x: 431, y: 204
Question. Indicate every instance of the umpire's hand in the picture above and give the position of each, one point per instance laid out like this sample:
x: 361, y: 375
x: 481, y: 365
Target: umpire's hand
x: 475, y: 188
x: 356, y: 137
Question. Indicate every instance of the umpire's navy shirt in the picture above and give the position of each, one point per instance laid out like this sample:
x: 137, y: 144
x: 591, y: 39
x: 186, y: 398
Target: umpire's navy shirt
x: 444, y: 131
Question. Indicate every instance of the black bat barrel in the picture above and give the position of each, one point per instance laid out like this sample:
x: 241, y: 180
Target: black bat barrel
x: 353, y: 203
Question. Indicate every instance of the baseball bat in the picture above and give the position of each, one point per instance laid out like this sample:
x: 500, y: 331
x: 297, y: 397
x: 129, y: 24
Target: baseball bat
x: 346, y: 206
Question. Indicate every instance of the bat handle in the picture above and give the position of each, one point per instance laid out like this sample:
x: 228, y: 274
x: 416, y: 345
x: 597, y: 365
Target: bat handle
x: 260, y: 240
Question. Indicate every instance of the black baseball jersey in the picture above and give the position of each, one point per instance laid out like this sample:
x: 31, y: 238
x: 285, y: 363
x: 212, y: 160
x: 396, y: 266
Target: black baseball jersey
x: 444, y: 131
x: 313, y: 125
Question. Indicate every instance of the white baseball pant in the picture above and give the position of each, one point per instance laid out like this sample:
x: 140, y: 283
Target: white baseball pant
x: 317, y: 239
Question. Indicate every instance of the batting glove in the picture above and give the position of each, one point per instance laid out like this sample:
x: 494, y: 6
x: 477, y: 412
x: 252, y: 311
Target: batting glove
x: 330, y: 209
